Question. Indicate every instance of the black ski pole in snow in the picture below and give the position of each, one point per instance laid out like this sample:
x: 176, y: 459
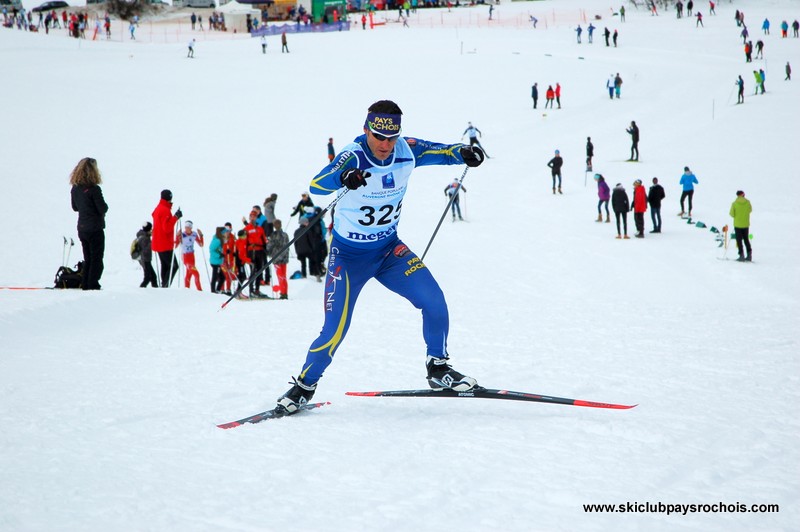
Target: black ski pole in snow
x: 449, y: 204
x: 255, y: 275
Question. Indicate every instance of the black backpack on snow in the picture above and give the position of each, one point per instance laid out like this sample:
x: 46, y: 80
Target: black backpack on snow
x: 69, y: 278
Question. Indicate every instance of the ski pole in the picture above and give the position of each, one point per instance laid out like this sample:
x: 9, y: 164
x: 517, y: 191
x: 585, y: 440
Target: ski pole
x: 71, y: 243
x: 208, y: 275
x: 314, y: 220
x: 173, y: 259
x: 449, y: 203
x: 64, y: 253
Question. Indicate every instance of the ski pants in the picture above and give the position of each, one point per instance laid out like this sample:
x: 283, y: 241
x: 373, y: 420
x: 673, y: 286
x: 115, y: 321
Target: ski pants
x: 743, y: 237
x: 638, y: 220
x: 456, y: 208
x: 624, y: 216
x: 169, y: 267
x: 655, y: 216
x: 280, y: 277
x: 94, y: 245
x: 149, y: 274
x: 687, y: 194
x: 191, y: 271
x: 394, y: 266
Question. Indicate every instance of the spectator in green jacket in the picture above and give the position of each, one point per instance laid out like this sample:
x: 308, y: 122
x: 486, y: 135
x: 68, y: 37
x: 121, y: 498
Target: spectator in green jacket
x: 740, y: 211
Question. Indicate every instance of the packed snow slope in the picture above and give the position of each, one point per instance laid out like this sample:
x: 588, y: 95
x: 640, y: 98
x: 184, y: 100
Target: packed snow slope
x: 109, y: 400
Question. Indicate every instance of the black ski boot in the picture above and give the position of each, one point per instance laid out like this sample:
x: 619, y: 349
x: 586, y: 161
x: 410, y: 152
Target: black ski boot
x: 442, y: 375
x: 297, y: 396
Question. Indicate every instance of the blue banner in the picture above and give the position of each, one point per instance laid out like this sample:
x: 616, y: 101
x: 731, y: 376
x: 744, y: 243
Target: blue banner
x: 276, y: 29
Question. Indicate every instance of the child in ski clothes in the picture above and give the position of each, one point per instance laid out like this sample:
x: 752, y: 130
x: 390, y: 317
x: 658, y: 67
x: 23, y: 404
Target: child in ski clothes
x: 621, y: 206
x: 216, y: 257
x: 452, y: 191
x: 639, y: 207
x: 604, y: 193
x: 229, y: 258
x: 740, y: 212
x: 365, y: 244
x: 687, y: 182
x: 555, y: 169
x: 277, y: 243
x: 186, y: 241
x: 146, y: 256
x: 242, y: 258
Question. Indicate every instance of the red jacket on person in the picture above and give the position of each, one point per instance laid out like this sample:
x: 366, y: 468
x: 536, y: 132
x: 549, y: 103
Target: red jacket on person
x: 163, y: 227
x: 256, y: 238
x: 639, y: 199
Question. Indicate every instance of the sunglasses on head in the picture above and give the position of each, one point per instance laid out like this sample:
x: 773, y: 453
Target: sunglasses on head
x: 381, y: 138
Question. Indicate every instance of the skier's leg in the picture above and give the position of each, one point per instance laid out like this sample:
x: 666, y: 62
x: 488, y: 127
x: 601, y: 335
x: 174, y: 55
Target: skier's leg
x: 404, y: 274
x: 348, y: 270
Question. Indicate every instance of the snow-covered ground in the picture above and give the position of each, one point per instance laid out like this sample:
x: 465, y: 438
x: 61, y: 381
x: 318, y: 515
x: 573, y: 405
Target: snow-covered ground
x: 109, y: 400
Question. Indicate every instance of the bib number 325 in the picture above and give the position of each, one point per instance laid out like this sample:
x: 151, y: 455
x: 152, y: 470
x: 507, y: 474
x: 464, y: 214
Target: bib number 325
x: 383, y: 215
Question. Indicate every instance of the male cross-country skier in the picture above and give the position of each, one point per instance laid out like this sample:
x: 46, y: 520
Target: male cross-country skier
x: 376, y: 167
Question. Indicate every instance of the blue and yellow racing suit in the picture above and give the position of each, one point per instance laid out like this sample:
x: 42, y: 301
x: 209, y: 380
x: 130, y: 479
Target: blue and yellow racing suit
x: 365, y: 245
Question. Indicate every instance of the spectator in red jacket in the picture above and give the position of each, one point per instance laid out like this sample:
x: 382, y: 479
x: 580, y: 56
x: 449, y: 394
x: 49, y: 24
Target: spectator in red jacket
x: 256, y: 250
x: 164, y: 237
x: 639, y: 207
x: 549, y: 97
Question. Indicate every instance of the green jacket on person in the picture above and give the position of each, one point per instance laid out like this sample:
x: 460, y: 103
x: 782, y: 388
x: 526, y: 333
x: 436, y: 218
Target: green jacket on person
x: 740, y: 211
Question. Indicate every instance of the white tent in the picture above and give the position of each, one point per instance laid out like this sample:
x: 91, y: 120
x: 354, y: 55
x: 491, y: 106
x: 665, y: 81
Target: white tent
x: 236, y: 15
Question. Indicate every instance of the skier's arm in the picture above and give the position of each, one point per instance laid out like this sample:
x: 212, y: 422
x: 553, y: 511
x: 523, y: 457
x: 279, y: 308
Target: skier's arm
x: 329, y: 179
x: 429, y: 153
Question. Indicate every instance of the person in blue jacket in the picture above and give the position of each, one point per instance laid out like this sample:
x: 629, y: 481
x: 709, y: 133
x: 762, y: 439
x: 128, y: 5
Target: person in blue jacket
x: 688, y: 181
x: 216, y: 258
x: 375, y: 168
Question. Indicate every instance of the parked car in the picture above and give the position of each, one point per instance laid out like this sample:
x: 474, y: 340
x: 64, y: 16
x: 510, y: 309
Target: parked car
x: 49, y: 6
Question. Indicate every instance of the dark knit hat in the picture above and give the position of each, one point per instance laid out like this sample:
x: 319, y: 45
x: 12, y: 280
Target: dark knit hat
x: 166, y: 194
x: 147, y: 227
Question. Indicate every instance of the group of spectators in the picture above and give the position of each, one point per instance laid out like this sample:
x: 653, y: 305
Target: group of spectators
x: 235, y: 255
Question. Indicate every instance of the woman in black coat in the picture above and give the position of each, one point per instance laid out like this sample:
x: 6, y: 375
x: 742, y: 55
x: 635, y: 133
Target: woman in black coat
x: 88, y: 202
x: 621, y: 206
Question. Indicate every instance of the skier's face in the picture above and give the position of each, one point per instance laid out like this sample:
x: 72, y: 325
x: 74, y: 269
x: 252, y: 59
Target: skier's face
x: 380, y: 146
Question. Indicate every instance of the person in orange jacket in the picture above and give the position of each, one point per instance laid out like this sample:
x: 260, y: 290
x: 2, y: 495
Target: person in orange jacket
x: 186, y: 241
x: 163, y: 241
x: 639, y: 207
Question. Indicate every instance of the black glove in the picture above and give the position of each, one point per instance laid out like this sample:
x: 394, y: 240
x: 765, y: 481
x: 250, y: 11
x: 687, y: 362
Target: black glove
x: 178, y: 214
x: 473, y: 156
x: 353, y: 178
